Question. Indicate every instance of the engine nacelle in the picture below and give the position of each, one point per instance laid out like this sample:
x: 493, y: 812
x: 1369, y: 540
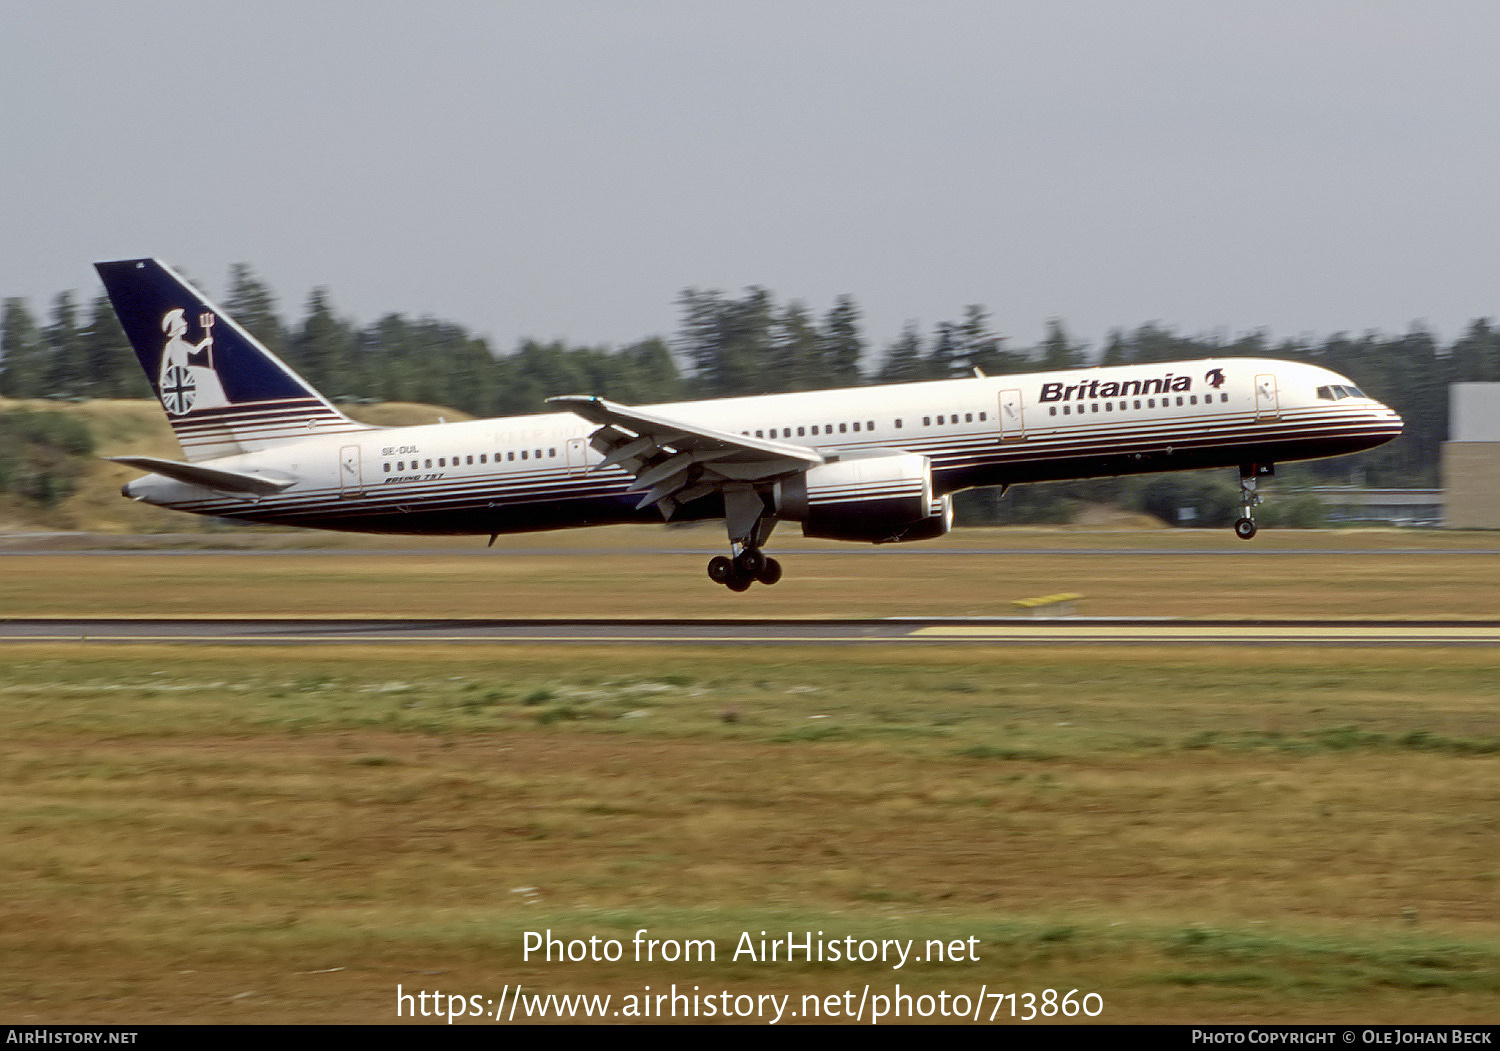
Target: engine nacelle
x: 877, y: 499
x: 936, y: 524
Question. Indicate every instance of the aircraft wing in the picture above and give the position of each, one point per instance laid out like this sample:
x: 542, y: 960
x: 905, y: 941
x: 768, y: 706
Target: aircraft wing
x: 675, y: 462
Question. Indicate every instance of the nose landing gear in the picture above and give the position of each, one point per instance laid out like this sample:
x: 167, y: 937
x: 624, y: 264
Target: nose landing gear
x: 1249, y: 497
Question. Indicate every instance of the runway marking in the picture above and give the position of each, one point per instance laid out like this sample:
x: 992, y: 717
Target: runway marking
x: 1181, y: 633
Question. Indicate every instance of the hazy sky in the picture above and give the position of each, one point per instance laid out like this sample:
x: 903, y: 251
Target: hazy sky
x: 562, y: 169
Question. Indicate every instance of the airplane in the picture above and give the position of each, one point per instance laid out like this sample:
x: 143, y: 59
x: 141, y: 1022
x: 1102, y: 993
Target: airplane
x: 869, y: 464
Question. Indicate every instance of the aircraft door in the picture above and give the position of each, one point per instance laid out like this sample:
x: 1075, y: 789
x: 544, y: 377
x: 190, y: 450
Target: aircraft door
x: 578, y: 456
x: 1012, y: 425
x: 1267, y: 405
x: 349, y: 473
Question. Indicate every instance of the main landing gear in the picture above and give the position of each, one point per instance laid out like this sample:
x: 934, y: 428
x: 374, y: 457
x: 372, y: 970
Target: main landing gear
x: 746, y: 568
x: 1249, y: 497
x: 748, y: 517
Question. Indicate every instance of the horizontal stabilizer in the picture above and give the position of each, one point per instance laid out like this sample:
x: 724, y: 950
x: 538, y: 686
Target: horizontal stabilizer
x: 210, y: 477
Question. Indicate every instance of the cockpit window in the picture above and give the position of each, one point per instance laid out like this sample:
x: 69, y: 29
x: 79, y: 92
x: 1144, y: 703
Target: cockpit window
x: 1337, y: 391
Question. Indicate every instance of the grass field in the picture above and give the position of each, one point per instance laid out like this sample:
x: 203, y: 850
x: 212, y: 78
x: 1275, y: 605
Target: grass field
x: 263, y: 834
x: 654, y: 572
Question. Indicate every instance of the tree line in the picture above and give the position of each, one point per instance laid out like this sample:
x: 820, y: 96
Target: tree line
x: 725, y: 345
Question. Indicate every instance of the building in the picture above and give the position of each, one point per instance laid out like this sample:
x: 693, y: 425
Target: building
x: 1471, y: 457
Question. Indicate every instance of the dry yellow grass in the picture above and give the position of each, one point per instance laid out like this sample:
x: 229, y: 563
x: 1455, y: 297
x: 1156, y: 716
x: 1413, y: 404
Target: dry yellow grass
x: 651, y: 572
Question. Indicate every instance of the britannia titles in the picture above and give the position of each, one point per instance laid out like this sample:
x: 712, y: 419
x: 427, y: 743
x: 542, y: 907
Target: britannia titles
x: 1093, y: 389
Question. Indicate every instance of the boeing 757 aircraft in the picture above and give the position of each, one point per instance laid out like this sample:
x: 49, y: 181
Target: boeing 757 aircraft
x: 871, y: 464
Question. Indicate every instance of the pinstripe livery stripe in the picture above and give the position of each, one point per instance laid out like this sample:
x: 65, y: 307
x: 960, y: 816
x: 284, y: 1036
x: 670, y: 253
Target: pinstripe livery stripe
x: 247, y: 428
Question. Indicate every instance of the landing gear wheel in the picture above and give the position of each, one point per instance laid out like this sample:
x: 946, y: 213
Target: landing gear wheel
x: 770, y: 573
x: 738, y: 583
x: 750, y: 562
x: 720, y: 569
x: 1250, y: 474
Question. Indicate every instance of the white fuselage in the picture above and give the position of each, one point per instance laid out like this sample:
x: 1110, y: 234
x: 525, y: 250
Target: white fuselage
x: 539, y: 472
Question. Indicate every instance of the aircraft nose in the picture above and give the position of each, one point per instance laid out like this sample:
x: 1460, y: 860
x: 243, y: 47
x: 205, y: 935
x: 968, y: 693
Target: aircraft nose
x: 1390, y: 418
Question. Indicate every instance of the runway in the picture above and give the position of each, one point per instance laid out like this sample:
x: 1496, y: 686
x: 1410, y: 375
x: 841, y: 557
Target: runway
x: 979, y: 631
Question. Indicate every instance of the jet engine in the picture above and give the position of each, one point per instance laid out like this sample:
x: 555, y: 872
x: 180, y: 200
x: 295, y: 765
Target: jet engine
x: 877, y: 499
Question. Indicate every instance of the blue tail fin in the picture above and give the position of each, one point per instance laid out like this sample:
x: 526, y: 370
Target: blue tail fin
x: 223, y: 392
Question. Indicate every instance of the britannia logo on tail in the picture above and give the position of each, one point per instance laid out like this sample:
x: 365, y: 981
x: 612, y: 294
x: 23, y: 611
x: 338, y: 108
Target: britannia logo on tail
x: 187, y: 379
